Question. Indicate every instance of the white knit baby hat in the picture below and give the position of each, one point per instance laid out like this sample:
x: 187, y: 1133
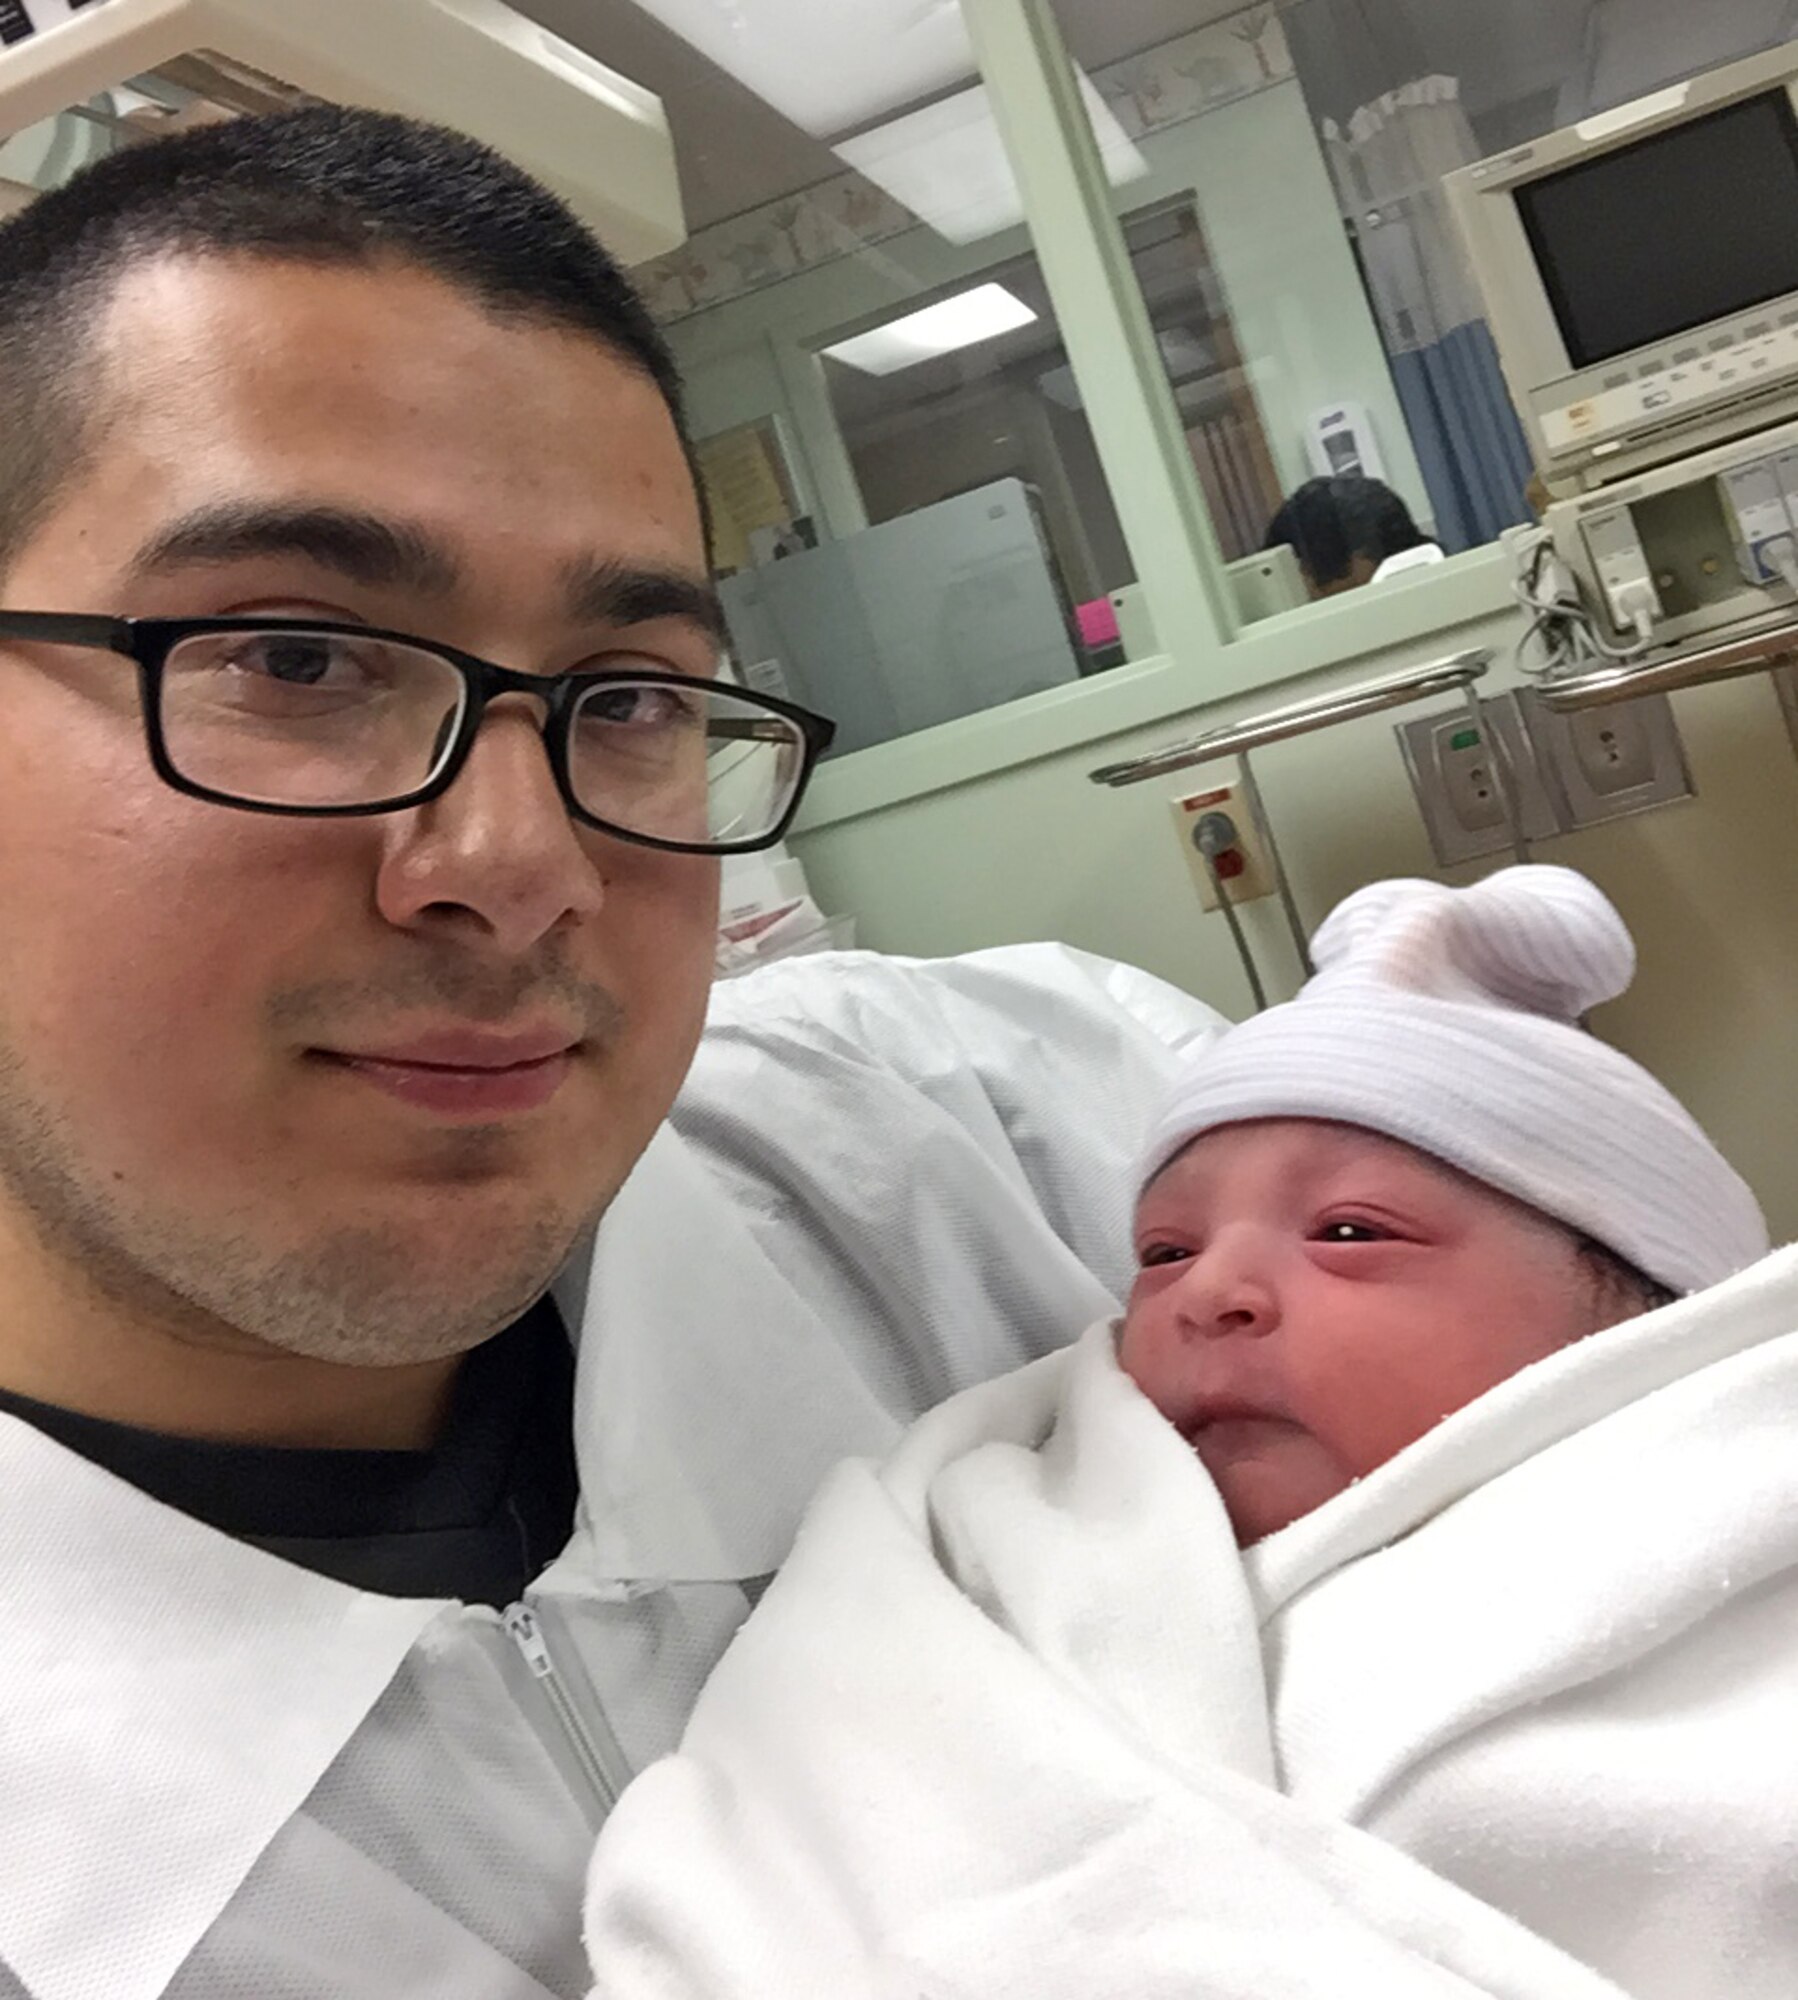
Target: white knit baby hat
x: 1449, y: 1019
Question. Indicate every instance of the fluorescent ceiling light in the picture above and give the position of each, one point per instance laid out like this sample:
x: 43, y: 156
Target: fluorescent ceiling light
x: 947, y: 165
x: 963, y: 321
x: 828, y: 65
x: 594, y: 136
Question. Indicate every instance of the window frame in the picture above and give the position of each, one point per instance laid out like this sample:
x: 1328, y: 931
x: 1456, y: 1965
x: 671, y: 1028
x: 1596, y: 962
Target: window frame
x: 1207, y: 658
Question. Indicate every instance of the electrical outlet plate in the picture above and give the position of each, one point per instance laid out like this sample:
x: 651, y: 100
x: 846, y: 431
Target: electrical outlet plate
x: 1611, y: 762
x: 1451, y: 765
x: 1257, y: 877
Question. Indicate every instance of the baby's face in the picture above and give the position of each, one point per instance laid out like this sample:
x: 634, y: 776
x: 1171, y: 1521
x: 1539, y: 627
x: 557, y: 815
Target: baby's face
x: 1312, y: 1298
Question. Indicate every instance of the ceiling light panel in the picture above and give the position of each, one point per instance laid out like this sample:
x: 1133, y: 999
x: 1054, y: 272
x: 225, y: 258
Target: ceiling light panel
x: 962, y: 321
x: 828, y: 65
x: 947, y: 164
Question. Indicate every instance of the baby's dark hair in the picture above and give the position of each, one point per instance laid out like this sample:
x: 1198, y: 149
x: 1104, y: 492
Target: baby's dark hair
x: 1618, y: 1283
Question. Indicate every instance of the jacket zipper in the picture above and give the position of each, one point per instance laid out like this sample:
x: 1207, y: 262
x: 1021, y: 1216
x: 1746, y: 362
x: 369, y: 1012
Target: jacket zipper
x: 595, y: 1749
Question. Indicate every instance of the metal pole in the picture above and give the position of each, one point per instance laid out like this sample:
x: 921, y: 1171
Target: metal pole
x: 1280, y: 725
x: 1251, y: 792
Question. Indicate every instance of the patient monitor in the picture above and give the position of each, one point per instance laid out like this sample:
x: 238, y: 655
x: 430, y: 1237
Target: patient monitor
x: 1640, y: 271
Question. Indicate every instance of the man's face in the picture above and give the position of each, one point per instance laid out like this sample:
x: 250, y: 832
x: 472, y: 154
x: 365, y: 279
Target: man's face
x: 1312, y: 1298
x: 181, y: 982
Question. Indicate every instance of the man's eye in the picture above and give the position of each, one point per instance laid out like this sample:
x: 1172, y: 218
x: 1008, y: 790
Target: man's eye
x: 298, y: 659
x: 631, y: 707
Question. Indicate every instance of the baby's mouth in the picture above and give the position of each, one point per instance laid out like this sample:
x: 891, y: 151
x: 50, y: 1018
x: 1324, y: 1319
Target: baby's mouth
x: 1208, y: 1413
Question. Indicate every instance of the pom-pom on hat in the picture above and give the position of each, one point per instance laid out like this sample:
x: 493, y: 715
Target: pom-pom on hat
x: 1450, y: 1019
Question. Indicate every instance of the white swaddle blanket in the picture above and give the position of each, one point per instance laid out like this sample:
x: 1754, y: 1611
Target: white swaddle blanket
x: 998, y: 1729
x: 1018, y: 1718
x: 1552, y: 1650
x: 1003, y: 1724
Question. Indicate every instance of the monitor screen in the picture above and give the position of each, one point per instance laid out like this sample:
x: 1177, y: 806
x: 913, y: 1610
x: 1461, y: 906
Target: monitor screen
x: 1650, y: 241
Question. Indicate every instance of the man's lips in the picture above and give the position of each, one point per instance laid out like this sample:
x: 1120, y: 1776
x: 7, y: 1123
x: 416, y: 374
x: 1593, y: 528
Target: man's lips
x: 468, y: 1049
x: 461, y: 1073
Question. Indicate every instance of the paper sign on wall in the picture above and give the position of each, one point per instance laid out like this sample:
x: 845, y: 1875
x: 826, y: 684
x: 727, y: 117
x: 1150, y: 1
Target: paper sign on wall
x: 747, y: 488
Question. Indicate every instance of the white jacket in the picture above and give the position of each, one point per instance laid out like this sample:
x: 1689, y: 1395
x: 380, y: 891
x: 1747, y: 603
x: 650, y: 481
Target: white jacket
x: 222, y: 1775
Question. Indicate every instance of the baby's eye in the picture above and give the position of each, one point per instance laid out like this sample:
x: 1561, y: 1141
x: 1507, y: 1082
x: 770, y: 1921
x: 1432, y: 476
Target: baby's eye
x: 1352, y: 1232
x: 1161, y: 1253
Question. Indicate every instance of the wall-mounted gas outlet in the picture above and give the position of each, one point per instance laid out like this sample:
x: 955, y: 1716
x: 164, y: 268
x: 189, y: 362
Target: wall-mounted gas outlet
x: 1607, y: 763
x: 1244, y: 864
x: 1458, y: 766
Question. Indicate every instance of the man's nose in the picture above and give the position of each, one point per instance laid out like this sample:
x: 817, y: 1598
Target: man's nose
x: 1225, y: 1293
x: 499, y: 846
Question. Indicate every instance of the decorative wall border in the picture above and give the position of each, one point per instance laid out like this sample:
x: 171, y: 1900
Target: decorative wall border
x: 1216, y: 65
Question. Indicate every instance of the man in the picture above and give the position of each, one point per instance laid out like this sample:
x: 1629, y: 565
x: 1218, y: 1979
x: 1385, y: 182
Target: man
x: 1349, y: 532
x: 362, y: 776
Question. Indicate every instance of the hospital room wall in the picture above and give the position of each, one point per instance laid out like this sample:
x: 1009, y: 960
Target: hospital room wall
x: 1269, y: 212
x: 1709, y: 888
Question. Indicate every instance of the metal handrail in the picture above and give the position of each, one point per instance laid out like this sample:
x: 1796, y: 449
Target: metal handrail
x: 1629, y: 681
x: 1459, y: 671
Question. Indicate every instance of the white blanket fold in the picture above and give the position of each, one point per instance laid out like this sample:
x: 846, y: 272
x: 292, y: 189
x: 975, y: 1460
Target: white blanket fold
x: 1552, y: 1650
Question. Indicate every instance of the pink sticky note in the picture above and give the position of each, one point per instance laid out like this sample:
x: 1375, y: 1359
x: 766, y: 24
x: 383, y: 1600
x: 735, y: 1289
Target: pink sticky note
x: 1098, y: 623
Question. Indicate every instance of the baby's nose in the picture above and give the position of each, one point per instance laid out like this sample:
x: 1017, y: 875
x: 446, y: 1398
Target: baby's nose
x: 1226, y: 1298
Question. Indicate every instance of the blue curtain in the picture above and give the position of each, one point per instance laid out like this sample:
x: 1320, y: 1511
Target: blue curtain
x: 1475, y: 459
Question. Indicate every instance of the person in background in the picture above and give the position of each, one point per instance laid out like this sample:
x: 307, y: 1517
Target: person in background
x: 1349, y: 531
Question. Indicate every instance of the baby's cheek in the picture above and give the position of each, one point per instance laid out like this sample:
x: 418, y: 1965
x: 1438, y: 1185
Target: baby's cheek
x: 1368, y: 1401
x: 1142, y: 1357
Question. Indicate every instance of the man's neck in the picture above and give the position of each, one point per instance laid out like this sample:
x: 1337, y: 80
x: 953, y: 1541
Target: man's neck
x: 385, y: 1409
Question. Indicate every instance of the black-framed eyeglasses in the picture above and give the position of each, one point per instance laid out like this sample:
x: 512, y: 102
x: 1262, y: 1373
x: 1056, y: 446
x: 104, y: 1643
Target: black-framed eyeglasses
x: 326, y: 720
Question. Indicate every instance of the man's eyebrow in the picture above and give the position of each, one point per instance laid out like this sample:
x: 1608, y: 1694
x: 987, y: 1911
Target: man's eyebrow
x: 365, y: 548
x: 623, y: 593
x: 385, y: 554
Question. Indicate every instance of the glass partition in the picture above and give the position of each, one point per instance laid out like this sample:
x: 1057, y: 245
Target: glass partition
x: 910, y: 541
x: 912, y: 521
x: 1012, y: 407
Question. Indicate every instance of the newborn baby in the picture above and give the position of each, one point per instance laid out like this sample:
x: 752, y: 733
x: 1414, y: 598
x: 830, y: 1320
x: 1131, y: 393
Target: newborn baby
x: 1369, y: 1207
x: 1498, y: 1705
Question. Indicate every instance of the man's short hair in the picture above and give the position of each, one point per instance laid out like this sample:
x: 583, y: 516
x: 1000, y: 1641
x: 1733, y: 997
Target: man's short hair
x: 320, y: 185
x: 1329, y: 522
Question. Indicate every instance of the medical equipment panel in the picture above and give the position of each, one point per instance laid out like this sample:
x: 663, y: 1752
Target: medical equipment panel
x: 1640, y: 272
x: 1706, y: 545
